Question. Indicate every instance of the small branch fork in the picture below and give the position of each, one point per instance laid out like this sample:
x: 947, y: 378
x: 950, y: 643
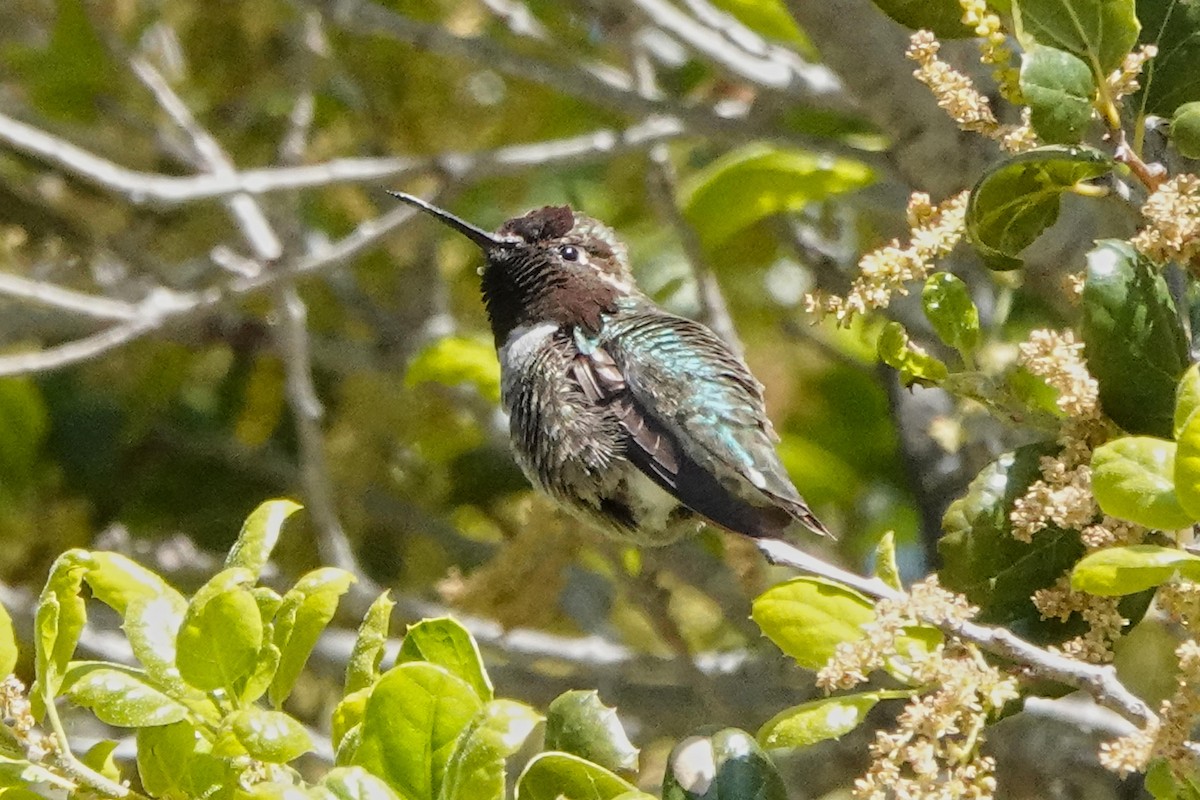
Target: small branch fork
x: 1099, y: 681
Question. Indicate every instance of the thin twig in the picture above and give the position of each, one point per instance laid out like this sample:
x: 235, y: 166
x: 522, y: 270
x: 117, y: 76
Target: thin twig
x: 54, y: 296
x: 1100, y: 682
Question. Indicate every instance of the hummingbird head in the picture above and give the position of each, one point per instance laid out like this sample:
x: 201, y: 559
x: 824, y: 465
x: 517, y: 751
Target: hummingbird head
x: 549, y: 265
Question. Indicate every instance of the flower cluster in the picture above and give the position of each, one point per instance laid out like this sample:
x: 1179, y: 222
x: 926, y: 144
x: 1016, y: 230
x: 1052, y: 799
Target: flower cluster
x: 957, y: 96
x: 935, y: 232
x: 17, y: 716
x: 934, y: 751
x: 1124, y: 81
x: 1168, y: 738
x: 1172, y: 214
x: 1101, y: 614
x: 993, y: 47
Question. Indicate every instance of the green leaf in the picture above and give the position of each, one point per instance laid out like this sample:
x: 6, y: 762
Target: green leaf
x: 981, y: 559
x: 728, y: 764
x: 807, y: 618
x: 411, y: 725
x: 355, y: 783
x: 259, y: 534
x: 551, y: 776
x: 577, y: 722
x: 886, y: 568
x: 59, y: 621
x: 943, y: 17
x: 758, y: 181
x: 1185, y: 128
x: 768, y: 17
x: 456, y: 360
x: 221, y: 634
x: 152, y: 627
x: 19, y: 772
x: 271, y: 736
x: 8, y: 643
x: 1187, y: 399
x: 172, y: 763
x: 1058, y: 88
x: 1135, y: 345
x: 476, y: 769
x: 951, y: 312
x: 362, y: 669
x: 266, y: 666
x: 120, y: 696
x: 100, y: 758
x: 1170, y: 79
x: 304, y: 613
x: 443, y: 641
x: 1118, y: 571
x: 1101, y: 32
x: 913, y: 363
x: 1018, y: 199
x: 1133, y: 478
x: 818, y: 720
x: 1187, y: 467
x: 348, y: 713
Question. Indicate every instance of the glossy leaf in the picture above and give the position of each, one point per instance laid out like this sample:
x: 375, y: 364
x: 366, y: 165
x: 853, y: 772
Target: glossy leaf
x: 981, y: 559
x: 476, y: 769
x: 120, y: 696
x: 807, y: 618
x: 306, y: 610
x: 1170, y: 79
x: 550, y: 776
x: 1018, y: 199
x: 362, y: 669
x: 1133, y: 478
x: 1125, y: 570
x: 355, y: 783
x: 1187, y: 399
x: 221, y: 634
x: 171, y: 763
x: 818, y: 720
x: 1101, y: 32
x: 411, y: 725
x: 943, y: 17
x: 259, y: 535
x: 266, y: 666
x: 1134, y: 343
x: 152, y: 627
x: 913, y: 363
x: 443, y: 641
x: 727, y: 764
x: 951, y: 312
x: 270, y: 736
x: 456, y: 360
x: 58, y: 623
x: 758, y: 181
x: 577, y: 722
x: 1187, y: 467
x: 1185, y: 128
x: 1058, y: 88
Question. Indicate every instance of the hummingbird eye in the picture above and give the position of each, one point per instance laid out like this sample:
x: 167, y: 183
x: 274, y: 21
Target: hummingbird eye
x: 569, y: 252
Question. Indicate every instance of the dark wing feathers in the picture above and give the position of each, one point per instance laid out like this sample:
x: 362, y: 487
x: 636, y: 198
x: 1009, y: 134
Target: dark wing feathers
x: 701, y: 433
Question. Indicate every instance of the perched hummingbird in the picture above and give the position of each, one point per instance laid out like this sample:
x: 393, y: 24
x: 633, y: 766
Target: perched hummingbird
x: 638, y: 421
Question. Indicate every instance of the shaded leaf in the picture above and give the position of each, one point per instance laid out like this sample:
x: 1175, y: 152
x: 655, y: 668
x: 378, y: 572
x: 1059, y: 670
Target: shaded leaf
x: 1170, y: 79
x: 456, y: 360
x: 25, y: 422
x: 1185, y: 128
x: 1134, y: 343
x: 1058, y: 89
x: 1018, y: 199
x: 727, y: 764
x: 886, y: 568
x: 943, y: 17
x: 577, y: 722
x: 951, y: 312
x: 1101, y: 32
x: 1126, y: 570
x: 913, y: 363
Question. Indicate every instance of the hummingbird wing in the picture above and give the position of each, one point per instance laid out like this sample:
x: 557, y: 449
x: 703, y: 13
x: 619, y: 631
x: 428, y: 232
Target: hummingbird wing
x: 695, y: 421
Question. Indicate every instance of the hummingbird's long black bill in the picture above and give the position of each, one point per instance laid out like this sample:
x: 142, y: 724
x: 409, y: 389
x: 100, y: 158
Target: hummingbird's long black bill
x: 479, y: 236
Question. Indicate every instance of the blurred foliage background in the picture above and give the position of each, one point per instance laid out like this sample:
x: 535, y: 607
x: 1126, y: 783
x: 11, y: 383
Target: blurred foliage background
x: 746, y: 150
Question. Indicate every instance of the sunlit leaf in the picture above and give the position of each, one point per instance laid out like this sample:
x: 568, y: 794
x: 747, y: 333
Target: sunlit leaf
x: 476, y: 768
x: 355, y: 783
x: 1133, y: 478
x: 119, y: 695
x: 259, y: 535
x: 1187, y: 398
x: 809, y: 617
x: 306, y: 610
x: 1125, y: 570
x: 818, y: 720
x: 913, y: 363
x: 943, y: 17
x: 550, y: 776
x: 221, y: 634
x: 445, y: 642
x: 8, y: 643
x: 270, y: 736
x: 456, y: 360
x: 951, y: 312
x: 577, y: 722
x: 362, y: 669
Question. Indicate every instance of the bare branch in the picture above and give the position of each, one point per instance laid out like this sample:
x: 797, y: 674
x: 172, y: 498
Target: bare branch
x: 149, y: 188
x: 55, y: 296
x: 1100, y: 682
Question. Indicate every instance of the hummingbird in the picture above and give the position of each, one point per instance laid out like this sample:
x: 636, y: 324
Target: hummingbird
x: 640, y: 422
